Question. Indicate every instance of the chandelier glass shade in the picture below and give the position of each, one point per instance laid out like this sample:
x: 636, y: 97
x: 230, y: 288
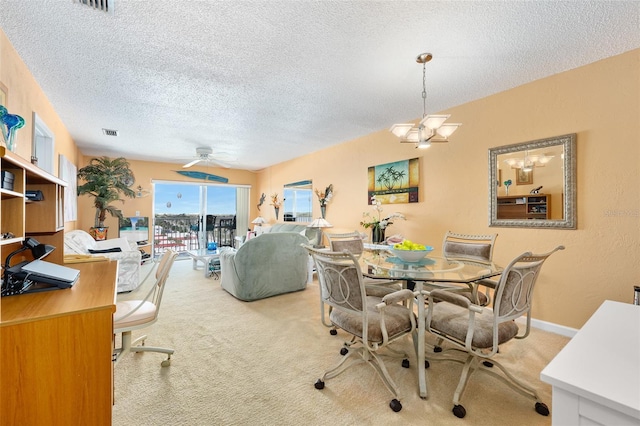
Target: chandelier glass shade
x: 432, y: 128
x: 528, y: 162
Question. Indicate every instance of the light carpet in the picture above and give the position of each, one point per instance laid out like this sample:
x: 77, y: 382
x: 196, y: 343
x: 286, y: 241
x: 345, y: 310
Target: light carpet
x: 255, y: 363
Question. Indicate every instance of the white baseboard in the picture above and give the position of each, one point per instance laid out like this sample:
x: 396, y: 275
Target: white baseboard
x: 550, y: 327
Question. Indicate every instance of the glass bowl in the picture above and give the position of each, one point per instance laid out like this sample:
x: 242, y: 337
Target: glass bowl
x: 411, y: 255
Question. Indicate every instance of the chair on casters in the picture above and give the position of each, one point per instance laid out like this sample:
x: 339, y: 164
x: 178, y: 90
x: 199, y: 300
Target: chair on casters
x: 373, y: 322
x: 477, y: 332
x: 352, y: 242
x: 472, y: 248
x: 134, y: 314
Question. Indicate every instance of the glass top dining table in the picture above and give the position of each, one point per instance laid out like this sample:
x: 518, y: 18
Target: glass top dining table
x: 431, y: 271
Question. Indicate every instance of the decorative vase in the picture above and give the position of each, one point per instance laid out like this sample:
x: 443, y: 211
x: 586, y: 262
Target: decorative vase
x: 277, y: 209
x: 323, y: 211
x: 506, y: 189
x: 377, y: 235
x: 99, y: 233
x: 9, y: 124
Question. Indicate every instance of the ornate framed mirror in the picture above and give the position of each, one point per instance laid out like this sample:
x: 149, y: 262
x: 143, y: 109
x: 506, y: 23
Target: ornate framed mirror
x: 533, y: 184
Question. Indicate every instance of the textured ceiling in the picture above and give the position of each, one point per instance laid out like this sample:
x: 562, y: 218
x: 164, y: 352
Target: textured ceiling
x: 261, y: 82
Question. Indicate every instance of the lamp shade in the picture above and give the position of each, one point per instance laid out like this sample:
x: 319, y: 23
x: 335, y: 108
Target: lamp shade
x: 447, y: 130
x: 401, y: 130
x: 434, y: 121
x: 258, y: 220
x: 319, y: 223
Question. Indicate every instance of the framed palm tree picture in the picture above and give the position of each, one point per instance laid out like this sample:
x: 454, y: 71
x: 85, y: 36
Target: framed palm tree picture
x: 395, y: 183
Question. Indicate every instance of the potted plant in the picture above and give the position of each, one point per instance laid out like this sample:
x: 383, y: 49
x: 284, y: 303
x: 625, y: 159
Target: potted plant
x: 106, y: 180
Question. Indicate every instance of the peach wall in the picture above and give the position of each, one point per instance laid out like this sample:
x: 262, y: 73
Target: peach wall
x: 599, y: 102
x: 25, y: 96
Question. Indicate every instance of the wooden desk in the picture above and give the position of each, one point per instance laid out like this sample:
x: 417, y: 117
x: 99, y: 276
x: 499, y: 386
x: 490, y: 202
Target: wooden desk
x: 56, y: 348
x: 596, y: 376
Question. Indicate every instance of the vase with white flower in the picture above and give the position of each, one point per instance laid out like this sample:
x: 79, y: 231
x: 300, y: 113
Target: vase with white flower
x: 324, y: 198
x: 276, y: 203
x: 376, y: 222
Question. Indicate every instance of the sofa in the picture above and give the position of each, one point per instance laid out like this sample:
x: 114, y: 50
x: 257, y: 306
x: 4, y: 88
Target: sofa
x: 268, y: 265
x: 79, y: 242
x: 311, y: 233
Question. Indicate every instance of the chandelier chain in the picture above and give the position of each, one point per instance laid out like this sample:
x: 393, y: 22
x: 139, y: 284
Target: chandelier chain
x: 424, y: 90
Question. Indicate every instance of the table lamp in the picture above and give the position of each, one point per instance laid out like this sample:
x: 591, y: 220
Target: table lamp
x: 258, y: 222
x: 319, y: 223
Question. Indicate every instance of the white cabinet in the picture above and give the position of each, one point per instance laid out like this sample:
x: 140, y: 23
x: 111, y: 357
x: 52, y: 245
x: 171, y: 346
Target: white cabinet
x: 596, y: 376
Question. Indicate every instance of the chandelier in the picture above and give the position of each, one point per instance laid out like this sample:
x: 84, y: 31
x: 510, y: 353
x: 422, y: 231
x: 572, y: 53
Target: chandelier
x: 529, y: 161
x: 432, y: 128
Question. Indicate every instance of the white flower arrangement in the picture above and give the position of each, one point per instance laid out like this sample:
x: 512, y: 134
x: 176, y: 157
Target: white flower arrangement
x: 371, y: 221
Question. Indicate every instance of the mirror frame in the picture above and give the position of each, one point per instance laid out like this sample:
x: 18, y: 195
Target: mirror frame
x: 569, y: 166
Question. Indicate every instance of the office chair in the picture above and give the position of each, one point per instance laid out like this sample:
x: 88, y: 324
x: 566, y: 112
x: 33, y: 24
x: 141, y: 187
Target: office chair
x: 373, y: 322
x: 135, y: 314
x: 477, y: 332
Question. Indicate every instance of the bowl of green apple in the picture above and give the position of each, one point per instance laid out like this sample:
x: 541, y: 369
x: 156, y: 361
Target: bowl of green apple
x: 408, y: 251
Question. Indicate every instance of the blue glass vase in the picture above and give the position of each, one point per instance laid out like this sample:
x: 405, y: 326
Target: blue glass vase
x: 9, y: 124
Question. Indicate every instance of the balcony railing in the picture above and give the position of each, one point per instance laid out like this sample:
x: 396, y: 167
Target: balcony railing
x: 180, y: 233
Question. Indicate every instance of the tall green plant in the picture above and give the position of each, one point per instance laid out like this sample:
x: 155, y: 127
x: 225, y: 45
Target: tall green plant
x: 106, y: 180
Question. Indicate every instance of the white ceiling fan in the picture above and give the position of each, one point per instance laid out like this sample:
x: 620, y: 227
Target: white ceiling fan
x: 204, y: 153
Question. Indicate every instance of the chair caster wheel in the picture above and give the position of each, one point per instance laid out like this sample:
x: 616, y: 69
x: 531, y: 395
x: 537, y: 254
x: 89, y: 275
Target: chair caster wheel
x: 395, y: 405
x: 542, y: 409
x: 405, y: 363
x: 459, y: 411
x: 344, y: 351
x: 333, y: 332
x: 437, y: 349
x: 487, y: 364
x: 166, y: 363
x: 426, y: 364
x: 319, y: 384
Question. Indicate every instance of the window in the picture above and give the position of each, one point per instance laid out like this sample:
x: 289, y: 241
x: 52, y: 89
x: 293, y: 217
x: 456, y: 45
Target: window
x: 43, y: 144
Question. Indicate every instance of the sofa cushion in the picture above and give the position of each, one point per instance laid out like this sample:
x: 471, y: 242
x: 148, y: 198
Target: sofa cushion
x: 122, y: 243
x: 310, y: 233
x: 78, y: 242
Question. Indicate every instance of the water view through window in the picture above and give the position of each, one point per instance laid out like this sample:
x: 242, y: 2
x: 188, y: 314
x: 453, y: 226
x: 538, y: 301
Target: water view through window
x: 189, y: 216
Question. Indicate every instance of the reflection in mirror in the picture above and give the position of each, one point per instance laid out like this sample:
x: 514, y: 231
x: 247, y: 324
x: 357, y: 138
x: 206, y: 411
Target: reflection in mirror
x: 533, y: 184
x: 297, y: 201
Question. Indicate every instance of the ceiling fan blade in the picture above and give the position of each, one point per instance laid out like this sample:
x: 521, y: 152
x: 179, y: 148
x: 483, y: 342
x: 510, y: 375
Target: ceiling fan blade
x: 192, y: 163
x: 219, y: 163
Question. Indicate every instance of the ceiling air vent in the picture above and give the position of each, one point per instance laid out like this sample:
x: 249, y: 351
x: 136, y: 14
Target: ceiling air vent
x: 110, y: 132
x: 103, y: 5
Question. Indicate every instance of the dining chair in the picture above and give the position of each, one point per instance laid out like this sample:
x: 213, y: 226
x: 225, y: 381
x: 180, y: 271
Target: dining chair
x: 476, y: 331
x: 472, y: 248
x: 373, y: 322
x: 135, y: 314
x: 353, y: 243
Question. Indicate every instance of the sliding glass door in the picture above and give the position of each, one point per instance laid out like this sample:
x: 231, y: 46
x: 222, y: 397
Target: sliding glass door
x: 188, y: 216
